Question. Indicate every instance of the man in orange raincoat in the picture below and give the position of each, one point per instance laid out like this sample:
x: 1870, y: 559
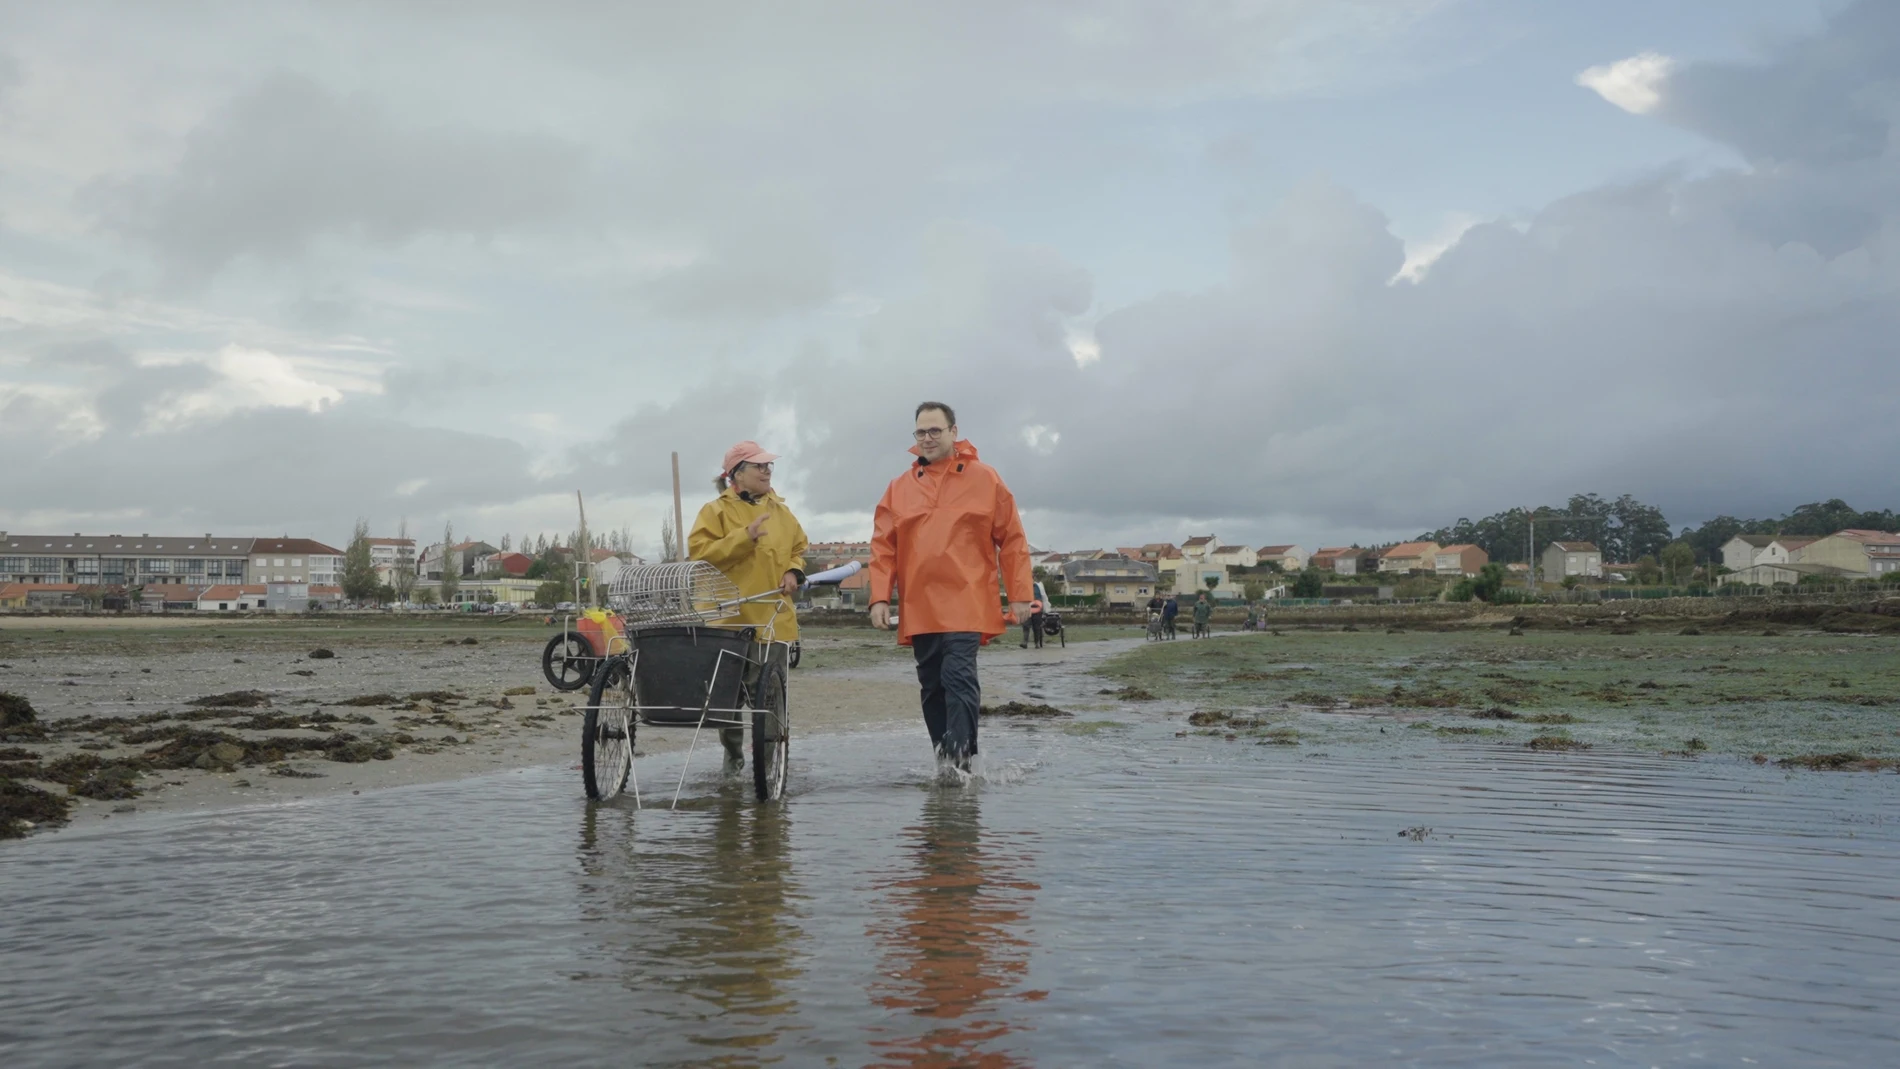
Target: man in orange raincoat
x: 939, y: 532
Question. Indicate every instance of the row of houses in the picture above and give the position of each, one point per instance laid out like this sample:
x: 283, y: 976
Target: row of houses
x: 144, y: 560
x: 1767, y: 560
x: 174, y: 597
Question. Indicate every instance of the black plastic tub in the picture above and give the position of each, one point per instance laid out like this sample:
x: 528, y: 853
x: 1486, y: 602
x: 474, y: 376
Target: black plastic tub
x: 677, y: 664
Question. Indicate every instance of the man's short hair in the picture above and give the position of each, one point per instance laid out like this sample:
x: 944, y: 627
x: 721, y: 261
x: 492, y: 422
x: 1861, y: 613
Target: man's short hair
x: 949, y: 414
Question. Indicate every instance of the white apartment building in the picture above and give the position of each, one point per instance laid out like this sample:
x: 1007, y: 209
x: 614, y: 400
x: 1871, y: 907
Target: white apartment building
x: 388, y: 554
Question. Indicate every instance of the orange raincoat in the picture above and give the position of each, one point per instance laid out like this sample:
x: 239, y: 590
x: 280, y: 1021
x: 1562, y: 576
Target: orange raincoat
x: 937, y: 536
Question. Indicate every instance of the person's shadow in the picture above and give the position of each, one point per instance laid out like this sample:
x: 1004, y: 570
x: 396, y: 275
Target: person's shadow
x: 699, y: 920
x: 953, y: 940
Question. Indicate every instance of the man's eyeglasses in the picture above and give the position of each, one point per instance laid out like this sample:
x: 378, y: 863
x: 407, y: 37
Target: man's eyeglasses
x: 929, y: 433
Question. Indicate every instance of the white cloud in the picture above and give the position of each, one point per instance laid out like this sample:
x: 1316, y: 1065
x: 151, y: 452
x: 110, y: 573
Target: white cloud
x: 1422, y: 252
x: 1633, y: 84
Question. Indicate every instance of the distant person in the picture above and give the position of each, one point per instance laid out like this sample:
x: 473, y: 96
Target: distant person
x: 749, y: 534
x: 1155, y: 603
x: 1203, y: 613
x: 1032, y: 627
x: 937, y: 537
x: 1169, y: 611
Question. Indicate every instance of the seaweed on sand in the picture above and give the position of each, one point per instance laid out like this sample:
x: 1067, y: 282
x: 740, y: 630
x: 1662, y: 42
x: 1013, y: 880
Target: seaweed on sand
x: 1838, y: 762
x: 236, y: 699
x: 1026, y: 709
x: 18, y: 721
x: 24, y: 806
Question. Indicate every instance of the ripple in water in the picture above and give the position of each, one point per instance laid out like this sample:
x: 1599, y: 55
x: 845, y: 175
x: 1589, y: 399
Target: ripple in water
x: 1122, y: 897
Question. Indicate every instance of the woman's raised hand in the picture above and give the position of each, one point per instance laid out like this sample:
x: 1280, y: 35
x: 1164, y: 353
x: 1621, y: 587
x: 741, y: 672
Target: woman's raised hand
x: 756, y: 529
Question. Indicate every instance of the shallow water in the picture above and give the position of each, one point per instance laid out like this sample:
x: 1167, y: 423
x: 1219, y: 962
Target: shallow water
x: 1122, y: 897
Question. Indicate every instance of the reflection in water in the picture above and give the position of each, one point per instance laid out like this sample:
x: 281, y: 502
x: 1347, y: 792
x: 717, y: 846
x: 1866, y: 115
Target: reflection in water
x: 956, y: 941
x: 703, y: 914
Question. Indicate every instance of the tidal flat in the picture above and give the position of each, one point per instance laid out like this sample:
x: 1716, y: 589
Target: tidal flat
x: 1807, y: 699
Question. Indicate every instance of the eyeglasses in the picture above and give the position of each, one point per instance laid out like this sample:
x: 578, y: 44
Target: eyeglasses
x: 929, y: 433
x: 766, y: 467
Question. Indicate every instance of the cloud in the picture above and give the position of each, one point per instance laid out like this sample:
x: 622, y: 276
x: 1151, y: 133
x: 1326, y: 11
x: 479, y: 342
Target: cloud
x: 1633, y: 84
x: 253, y: 471
x: 1827, y: 99
x: 289, y: 162
x: 1422, y: 253
x: 763, y: 264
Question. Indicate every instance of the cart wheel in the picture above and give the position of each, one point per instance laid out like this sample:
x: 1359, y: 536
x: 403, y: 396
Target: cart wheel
x: 607, y: 732
x: 568, y: 661
x: 791, y: 658
x: 771, y: 736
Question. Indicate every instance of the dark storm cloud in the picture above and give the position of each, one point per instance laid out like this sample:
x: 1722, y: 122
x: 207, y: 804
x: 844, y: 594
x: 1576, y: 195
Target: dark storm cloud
x: 289, y: 162
x: 1643, y: 338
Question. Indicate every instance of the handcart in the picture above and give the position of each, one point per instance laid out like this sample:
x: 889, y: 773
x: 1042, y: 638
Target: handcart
x: 674, y: 665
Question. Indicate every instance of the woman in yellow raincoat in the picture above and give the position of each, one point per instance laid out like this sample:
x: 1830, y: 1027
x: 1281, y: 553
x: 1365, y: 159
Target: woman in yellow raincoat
x: 749, y: 534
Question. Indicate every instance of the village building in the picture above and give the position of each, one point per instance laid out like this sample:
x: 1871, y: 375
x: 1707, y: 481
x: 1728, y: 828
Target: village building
x: 1867, y: 554
x: 391, y: 555
x: 1410, y: 557
x: 1289, y: 558
x: 1463, y: 559
x: 230, y: 597
x: 121, y: 560
x: 294, y: 560
x: 1119, y: 581
x: 1562, y: 560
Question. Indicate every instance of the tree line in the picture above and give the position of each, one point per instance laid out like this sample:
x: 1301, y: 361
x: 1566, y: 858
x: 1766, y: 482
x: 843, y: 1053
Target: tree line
x: 1627, y: 530
x: 1624, y: 529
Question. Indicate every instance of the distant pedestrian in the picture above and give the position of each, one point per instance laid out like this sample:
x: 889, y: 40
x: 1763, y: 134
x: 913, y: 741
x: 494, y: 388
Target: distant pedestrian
x: 1169, y: 611
x: 1203, y: 613
x: 938, y: 536
x: 1032, y: 627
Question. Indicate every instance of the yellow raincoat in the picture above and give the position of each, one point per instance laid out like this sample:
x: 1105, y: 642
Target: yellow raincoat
x: 718, y: 538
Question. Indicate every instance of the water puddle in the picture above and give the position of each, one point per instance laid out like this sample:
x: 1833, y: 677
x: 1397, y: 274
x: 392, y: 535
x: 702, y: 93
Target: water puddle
x: 1103, y: 897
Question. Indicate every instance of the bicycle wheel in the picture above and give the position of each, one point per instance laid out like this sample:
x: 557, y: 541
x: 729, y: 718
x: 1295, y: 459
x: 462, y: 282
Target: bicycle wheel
x: 568, y: 661
x: 607, y: 732
x: 791, y: 656
x: 771, y: 735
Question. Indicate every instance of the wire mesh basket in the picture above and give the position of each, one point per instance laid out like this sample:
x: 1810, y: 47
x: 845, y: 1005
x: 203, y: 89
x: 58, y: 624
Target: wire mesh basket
x: 669, y: 595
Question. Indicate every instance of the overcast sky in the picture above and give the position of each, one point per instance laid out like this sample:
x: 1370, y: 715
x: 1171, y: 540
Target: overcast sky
x: 1313, y: 271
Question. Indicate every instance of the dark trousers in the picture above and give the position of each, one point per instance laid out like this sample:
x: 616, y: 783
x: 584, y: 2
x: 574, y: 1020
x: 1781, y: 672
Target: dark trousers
x: 1032, y: 630
x: 946, y: 672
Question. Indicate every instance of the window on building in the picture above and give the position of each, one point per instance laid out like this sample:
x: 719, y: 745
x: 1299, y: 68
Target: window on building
x: 296, y: 562
x: 279, y: 562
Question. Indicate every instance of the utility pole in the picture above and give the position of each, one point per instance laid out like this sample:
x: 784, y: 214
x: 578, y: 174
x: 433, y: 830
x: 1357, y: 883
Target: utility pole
x: 585, y: 571
x: 679, y: 534
x: 1530, y: 545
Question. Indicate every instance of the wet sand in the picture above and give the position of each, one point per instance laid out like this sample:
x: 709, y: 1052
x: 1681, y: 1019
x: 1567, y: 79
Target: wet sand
x: 396, y: 703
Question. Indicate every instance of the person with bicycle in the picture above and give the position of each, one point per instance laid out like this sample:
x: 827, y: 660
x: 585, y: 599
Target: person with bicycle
x: 749, y: 534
